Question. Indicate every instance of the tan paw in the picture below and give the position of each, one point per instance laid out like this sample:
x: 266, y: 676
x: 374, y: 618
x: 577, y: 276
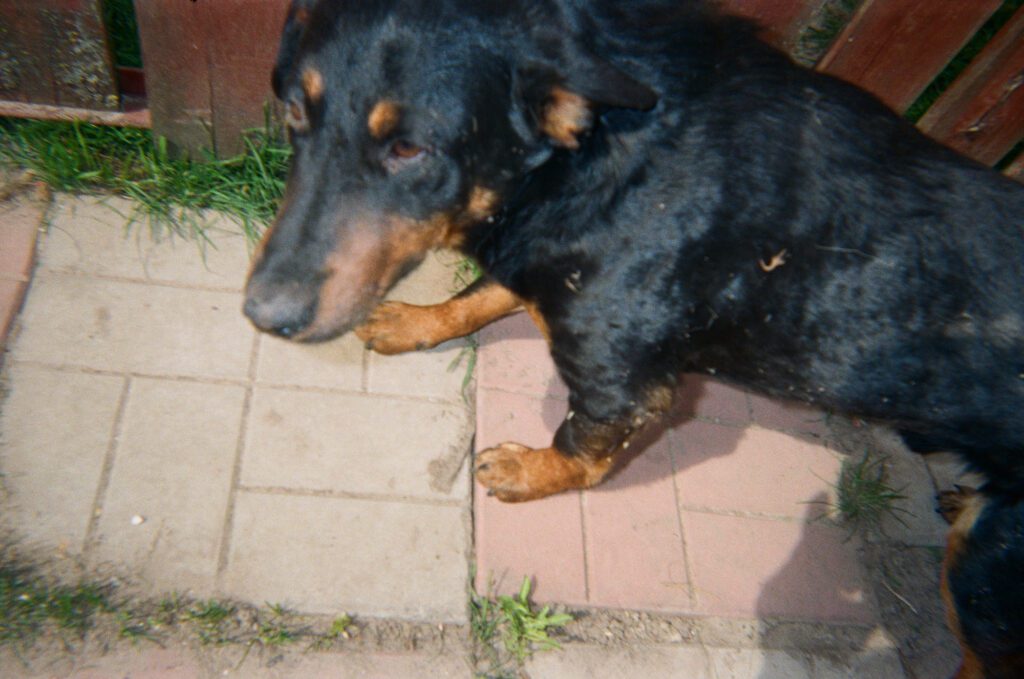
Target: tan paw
x: 515, y: 473
x: 395, y: 327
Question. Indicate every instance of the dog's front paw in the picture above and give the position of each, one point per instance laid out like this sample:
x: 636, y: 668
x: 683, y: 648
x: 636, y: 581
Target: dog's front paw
x: 515, y: 473
x: 501, y: 471
x: 395, y: 327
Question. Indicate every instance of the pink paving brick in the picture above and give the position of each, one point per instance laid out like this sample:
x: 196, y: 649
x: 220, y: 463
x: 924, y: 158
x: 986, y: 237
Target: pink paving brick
x: 18, y: 228
x: 701, y: 396
x: 502, y: 416
x: 11, y: 293
x: 514, y: 357
x: 752, y: 567
x: 635, y: 555
x: 788, y: 416
x: 542, y: 539
x: 752, y: 470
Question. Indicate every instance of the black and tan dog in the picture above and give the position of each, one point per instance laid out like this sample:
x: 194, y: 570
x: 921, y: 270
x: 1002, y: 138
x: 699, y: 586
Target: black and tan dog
x: 663, y: 193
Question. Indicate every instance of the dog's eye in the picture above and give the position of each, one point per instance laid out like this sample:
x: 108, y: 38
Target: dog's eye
x: 295, y: 117
x: 404, y: 150
x: 401, y: 153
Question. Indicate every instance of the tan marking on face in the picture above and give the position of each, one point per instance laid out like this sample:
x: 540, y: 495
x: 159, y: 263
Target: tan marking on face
x: 302, y: 16
x: 383, y: 119
x: 566, y: 116
x: 483, y: 203
x: 313, y: 84
x: 296, y: 117
x: 365, y: 265
x: 962, y: 509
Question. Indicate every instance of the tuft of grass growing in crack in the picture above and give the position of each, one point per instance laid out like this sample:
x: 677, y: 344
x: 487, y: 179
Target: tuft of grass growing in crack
x: 169, y: 191
x: 30, y: 605
x: 34, y: 608
x: 209, y: 620
x: 508, y: 630
x: 864, y: 496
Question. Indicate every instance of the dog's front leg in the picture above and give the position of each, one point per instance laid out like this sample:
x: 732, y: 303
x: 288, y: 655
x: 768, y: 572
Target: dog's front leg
x: 396, y: 327
x: 582, y: 454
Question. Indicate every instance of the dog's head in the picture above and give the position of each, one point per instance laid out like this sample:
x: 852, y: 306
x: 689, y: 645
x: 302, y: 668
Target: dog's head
x: 411, y: 122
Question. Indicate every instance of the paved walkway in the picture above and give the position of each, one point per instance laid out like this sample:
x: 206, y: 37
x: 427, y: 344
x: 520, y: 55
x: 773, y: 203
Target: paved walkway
x: 149, y: 432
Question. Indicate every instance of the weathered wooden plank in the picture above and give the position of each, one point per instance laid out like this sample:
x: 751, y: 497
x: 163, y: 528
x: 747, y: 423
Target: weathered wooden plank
x: 136, y: 118
x: 55, y: 52
x: 982, y: 112
x: 173, y: 38
x: 24, y: 75
x: 75, y: 42
x: 895, y: 48
x: 782, y: 19
x: 243, y: 40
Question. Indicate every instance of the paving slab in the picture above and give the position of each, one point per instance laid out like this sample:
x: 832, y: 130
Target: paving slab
x: 756, y: 567
x: 20, y: 222
x: 56, y: 432
x: 150, y: 430
x: 577, y: 661
x: 754, y: 471
x: 331, y: 365
x: 719, y: 516
x: 325, y: 555
x: 162, y: 512
x: 313, y: 441
x: 92, y: 236
x: 104, y: 324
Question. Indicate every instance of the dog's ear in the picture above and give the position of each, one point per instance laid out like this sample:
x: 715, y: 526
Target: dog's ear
x: 561, y: 97
x: 294, y: 27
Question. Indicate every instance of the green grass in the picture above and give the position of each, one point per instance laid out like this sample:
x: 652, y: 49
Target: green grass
x: 29, y: 605
x: 124, y: 161
x: 119, y: 17
x: 864, y: 496
x: 508, y: 630
x: 33, y: 607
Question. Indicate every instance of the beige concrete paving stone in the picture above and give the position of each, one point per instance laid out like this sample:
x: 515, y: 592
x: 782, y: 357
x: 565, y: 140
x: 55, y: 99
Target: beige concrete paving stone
x: 597, y: 662
x: 356, y: 444
x: 164, y: 508
x: 56, y: 432
x: 90, y: 235
x: 365, y: 557
x: 435, y: 373
x: 332, y: 365
x: 149, y: 329
x: 747, y: 663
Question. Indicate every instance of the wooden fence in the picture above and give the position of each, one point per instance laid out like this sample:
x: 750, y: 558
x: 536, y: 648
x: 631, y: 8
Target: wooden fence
x: 207, y: 65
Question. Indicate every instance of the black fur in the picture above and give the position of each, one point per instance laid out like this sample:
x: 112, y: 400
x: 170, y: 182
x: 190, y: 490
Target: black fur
x: 648, y: 248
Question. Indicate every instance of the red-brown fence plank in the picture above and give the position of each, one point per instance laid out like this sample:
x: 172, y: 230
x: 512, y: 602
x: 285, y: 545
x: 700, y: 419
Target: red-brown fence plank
x: 55, y: 52
x: 782, y: 19
x: 208, y: 67
x: 982, y: 112
x: 243, y: 41
x: 172, y: 35
x: 895, y: 48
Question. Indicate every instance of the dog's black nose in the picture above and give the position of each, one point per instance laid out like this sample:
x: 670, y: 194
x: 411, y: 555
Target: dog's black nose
x: 279, y: 314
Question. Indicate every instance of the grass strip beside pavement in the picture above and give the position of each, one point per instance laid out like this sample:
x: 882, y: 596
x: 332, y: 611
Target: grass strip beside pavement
x: 125, y: 161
